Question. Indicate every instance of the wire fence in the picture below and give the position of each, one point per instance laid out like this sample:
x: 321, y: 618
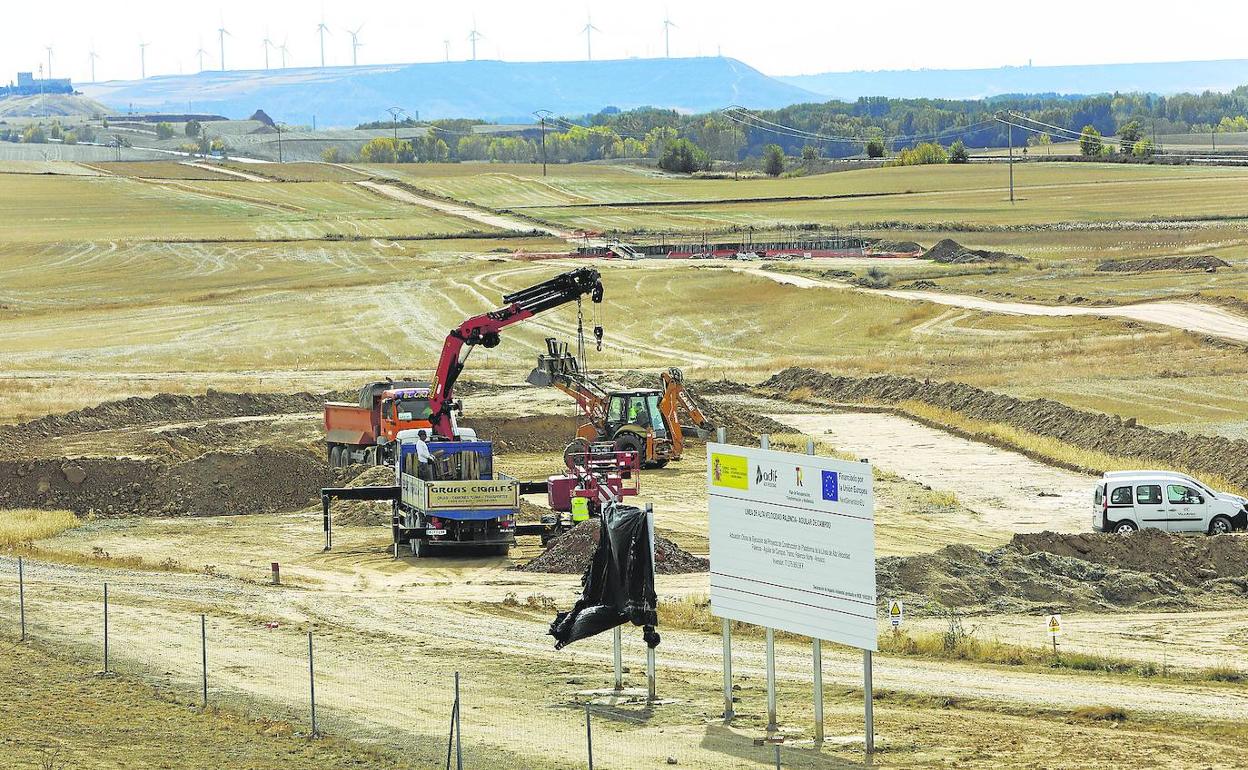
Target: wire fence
x: 278, y: 662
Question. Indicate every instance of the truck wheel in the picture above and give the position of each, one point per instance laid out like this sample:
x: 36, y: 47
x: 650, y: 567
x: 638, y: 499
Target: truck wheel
x: 1125, y: 528
x: 500, y: 550
x: 335, y: 455
x: 420, y: 547
x: 628, y: 442
x: 1220, y: 526
x: 575, y: 449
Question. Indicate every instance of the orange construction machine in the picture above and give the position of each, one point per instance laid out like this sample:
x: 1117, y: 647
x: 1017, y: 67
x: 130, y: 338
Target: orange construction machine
x: 641, y: 420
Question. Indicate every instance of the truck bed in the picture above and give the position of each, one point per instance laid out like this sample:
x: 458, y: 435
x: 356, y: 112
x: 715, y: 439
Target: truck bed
x: 347, y: 423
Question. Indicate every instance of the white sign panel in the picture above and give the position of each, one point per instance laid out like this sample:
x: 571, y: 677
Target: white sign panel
x: 793, y: 543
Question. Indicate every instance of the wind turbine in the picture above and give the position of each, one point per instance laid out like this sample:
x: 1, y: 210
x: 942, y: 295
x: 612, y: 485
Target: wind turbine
x: 322, y: 29
x: 92, y: 56
x: 267, y: 45
x: 447, y: 45
x: 221, y: 33
x: 473, y: 37
x: 667, y: 36
x: 142, y: 60
x: 284, y: 51
x: 49, y: 61
x: 355, y: 44
x: 201, y: 53
x: 589, y: 31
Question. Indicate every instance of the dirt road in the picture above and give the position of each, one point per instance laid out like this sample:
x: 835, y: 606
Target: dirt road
x: 480, y: 216
x: 1189, y: 316
x: 1012, y: 492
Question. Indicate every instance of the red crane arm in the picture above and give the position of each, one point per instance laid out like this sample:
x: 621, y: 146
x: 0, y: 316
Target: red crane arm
x: 484, y: 330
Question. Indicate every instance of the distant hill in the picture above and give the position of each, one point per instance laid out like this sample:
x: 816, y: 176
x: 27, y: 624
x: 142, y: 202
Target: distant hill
x: 50, y: 105
x: 1155, y: 77
x: 491, y: 90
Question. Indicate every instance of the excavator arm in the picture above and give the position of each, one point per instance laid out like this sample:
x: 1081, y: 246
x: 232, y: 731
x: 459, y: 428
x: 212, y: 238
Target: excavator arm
x: 485, y: 330
x: 674, y: 398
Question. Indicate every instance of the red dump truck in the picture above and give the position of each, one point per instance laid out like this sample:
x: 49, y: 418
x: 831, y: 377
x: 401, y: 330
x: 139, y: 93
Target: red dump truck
x: 367, y: 430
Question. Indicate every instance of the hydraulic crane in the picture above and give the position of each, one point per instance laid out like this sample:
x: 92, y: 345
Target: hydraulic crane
x: 484, y: 330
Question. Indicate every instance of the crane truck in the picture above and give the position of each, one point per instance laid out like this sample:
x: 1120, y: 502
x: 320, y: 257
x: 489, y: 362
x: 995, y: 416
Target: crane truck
x: 456, y: 497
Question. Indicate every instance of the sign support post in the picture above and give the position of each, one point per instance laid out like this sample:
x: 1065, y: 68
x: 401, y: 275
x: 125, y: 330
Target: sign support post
x: 868, y: 702
x: 764, y: 442
x: 721, y: 435
x: 816, y: 654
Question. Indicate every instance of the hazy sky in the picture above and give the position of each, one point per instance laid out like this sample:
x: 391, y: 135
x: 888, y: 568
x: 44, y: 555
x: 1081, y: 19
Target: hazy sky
x: 779, y: 37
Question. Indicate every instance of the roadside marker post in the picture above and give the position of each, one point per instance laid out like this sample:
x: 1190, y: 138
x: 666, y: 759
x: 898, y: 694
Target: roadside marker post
x: 589, y: 737
x: 312, y: 685
x: 203, y: 650
x: 21, y: 595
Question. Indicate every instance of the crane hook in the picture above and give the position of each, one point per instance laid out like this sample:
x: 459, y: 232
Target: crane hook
x: 598, y: 337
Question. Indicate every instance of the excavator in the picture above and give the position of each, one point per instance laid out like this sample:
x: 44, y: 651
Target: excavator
x: 641, y: 420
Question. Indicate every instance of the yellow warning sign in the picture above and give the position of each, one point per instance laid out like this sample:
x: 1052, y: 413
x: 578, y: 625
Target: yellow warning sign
x: 896, y: 611
x: 1055, y: 625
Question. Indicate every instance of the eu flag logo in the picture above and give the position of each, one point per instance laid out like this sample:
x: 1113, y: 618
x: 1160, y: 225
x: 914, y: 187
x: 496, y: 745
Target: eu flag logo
x: 831, y: 487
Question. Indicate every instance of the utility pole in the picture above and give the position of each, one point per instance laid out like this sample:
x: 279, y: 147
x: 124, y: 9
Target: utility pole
x: 1010, y: 131
x: 543, y: 145
x: 395, y: 112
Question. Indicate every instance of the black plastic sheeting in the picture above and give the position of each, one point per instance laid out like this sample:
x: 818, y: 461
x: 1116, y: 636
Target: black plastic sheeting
x: 618, y: 587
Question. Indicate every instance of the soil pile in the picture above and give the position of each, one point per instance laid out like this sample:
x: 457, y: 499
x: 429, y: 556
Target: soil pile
x: 1206, y: 263
x: 162, y: 408
x: 1048, y: 572
x: 1110, y: 434
x: 537, y: 433
x: 365, y: 513
x: 950, y: 252
x: 571, y: 553
x: 260, y: 480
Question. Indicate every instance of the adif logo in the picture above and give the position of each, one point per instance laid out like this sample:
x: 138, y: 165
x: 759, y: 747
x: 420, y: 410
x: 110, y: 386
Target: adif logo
x: 767, y: 478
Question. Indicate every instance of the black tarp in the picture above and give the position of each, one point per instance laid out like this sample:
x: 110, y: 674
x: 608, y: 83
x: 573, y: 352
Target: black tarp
x: 618, y: 586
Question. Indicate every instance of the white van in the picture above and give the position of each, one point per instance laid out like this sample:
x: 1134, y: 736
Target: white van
x: 1127, y: 501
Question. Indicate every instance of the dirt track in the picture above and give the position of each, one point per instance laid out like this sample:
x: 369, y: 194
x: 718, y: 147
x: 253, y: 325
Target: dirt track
x: 1189, y: 316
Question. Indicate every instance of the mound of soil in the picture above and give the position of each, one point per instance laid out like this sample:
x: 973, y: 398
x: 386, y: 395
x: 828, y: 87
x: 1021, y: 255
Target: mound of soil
x: 950, y: 252
x: 1111, y: 434
x: 1207, y: 263
x: 365, y: 513
x: 260, y: 480
x: 1049, y: 572
x: 537, y: 433
x: 895, y: 247
x: 571, y: 553
x: 162, y: 408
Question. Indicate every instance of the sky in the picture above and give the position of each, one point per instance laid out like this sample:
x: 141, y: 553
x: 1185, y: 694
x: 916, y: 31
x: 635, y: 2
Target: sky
x: 779, y: 37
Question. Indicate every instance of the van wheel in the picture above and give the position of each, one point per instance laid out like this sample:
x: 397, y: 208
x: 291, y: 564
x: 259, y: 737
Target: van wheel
x: 1125, y: 528
x: 1220, y: 526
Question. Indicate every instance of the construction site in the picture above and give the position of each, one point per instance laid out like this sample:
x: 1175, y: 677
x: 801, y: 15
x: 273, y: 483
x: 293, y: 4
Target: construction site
x: 351, y: 464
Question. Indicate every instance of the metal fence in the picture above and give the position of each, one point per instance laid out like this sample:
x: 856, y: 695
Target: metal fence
x: 283, y: 663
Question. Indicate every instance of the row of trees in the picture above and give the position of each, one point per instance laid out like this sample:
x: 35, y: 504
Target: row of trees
x: 38, y: 133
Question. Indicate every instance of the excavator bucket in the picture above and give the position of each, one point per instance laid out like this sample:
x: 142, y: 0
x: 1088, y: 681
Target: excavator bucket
x: 556, y: 364
x: 540, y: 377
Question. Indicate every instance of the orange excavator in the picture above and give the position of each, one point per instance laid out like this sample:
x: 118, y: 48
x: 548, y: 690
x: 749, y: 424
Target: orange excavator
x: 642, y: 420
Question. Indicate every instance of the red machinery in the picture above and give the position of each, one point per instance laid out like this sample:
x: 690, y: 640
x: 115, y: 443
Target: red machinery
x: 484, y: 330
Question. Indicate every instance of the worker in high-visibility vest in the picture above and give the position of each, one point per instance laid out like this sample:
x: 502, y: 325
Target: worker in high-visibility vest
x: 580, y: 509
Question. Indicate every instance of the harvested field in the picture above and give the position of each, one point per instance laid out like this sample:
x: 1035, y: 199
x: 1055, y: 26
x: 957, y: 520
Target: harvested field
x: 571, y: 553
x: 1206, y: 263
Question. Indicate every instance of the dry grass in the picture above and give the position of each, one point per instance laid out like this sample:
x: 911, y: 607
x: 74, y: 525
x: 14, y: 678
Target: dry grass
x: 1045, y: 448
x: 1101, y: 713
x: 24, y: 526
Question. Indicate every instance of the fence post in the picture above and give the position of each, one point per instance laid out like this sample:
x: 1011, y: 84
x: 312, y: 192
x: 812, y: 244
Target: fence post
x: 651, y: 685
x: 589, y: 738
x: 617, y: 645
x: 203, y: 651
x: 459, y: 749
x: 106, y: 628
x: 312, y: 684
x: 21, y: 594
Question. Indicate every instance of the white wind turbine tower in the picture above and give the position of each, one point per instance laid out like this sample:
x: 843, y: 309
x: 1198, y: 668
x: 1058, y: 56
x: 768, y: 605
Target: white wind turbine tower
x: 284, y: 51
x: 473, y: 37
x: 589, y: 31
x: 49, y: 61
x: 267, y: 45
x: 92, y: 56
x: 446, y: 44
x: 221, y: 33
x: 142, y: 59
x: 321, y: 30
x: 201, y: 53
x: 667, y: 36
x: 355, y: 44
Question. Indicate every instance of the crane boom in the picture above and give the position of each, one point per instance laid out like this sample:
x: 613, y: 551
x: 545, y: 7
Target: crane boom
x: 484, y: 330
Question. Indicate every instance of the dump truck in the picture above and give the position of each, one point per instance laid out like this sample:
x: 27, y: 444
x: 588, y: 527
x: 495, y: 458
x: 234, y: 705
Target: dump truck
x: 365, y: 431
